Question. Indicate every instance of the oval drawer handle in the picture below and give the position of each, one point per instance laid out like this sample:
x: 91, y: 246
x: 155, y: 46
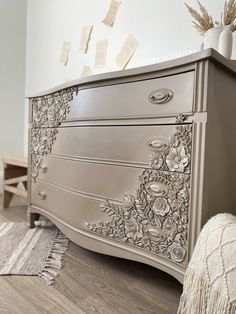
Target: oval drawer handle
x: 44, y: 168
x: 156, y: 144
x: 42, y: 195
x: 161, y: 96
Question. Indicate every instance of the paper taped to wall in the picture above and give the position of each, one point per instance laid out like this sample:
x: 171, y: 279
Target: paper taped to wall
x: 85, y: 36
x: 101, y: 52
x: 112, y: 12
x: 86, y: 71
x: 127, y: 51
x: 65, y: 52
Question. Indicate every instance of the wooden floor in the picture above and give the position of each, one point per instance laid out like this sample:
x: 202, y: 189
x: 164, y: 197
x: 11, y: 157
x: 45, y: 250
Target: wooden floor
x: 89, y: 283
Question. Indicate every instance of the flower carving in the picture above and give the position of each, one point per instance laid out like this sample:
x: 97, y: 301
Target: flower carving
x: 132, y: 230
x: 37, y: 116
x: 161, y: 206
x: 170, y: 227
x: 177, y: 159
x: 128, y: 201
x: 48, y: 112
x: 157, y: 161
x: 156, y: 219
x: 155, y: 234
x: 177, y: 252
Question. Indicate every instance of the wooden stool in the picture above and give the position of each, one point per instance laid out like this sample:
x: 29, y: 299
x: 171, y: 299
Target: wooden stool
x: 15, y: 171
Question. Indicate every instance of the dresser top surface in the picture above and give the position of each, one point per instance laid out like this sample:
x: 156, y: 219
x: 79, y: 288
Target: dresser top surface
x: 210, y: 54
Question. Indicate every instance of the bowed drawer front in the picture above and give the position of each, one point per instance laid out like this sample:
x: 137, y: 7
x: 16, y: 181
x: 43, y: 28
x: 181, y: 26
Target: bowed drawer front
x: 173, y: 94
x: 151, y: 97
x: 126, y: 144
x: 129, y: 165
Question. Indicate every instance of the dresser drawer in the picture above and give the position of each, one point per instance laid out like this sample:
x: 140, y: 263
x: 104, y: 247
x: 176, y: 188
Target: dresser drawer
x: 102, y: 180
x: 66, y: 204
x: 153, y: 97
x: 126, y: 144
x: 154, y: 218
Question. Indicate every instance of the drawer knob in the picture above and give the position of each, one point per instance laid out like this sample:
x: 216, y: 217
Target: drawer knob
x: 42, y: 195
x: 44, y: 168
x: 161, y: 96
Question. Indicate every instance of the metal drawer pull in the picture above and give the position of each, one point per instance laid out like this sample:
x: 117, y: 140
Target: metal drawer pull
x: 161, y: 96
x: 44, y: 168
x: 42, y: 195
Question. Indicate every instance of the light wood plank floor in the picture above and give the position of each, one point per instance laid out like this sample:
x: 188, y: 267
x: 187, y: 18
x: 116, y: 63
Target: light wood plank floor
x: 89, y: 283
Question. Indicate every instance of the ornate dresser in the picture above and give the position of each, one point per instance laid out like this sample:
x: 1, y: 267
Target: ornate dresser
x: 133, y: 163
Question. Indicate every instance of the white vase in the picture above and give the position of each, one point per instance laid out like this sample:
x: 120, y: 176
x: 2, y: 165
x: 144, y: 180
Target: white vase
x: 226, y: 41
x: 211, y: 37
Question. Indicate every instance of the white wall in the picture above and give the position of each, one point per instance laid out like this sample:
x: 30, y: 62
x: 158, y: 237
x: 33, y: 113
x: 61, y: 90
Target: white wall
x: 163, y: 28
x: 12, y: 78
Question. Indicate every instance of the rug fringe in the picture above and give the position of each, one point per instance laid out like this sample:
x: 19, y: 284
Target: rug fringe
x: 199, y: 297
x: 53, y: 262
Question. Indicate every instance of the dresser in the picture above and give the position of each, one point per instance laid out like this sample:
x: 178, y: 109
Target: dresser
x: 133, y: 163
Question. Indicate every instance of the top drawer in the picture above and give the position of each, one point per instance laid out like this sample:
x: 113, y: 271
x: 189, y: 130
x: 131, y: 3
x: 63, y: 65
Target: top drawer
x: 153, y: 97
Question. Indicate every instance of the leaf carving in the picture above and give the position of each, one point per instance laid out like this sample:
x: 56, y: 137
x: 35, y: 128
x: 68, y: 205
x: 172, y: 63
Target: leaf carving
x: 156, y: 218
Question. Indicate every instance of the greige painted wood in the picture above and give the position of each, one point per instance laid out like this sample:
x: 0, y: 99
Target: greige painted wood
x: 220, y: 145
x: 82, y: 208
x: 86, y: 177
x: 88, y: 283
x: 132, y: 99
x: 180, y: 65
x: 104, y: 143
x: 214, y: 150
x: 88, y: 138
x: 108, y: 246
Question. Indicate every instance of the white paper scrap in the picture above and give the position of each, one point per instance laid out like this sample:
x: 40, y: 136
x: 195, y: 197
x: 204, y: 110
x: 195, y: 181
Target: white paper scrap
x: 112, y: 12
x: 85, y: 36
x: 101, y: 52
x: 127, y: 51
x: 86, y: 71
x: 65, y: 52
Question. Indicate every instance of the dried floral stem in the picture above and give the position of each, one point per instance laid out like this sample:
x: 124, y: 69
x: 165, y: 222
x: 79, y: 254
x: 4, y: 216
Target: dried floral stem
x: 203, y: 21
x: 229, y: 15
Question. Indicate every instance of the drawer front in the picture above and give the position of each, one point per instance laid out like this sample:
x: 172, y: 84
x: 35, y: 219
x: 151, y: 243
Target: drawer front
x: 155, y: 218
x: 65, y: 204
x: 127, y: 144
x: 98, y: 180
x: 166, y: 147
x: 153, y: 97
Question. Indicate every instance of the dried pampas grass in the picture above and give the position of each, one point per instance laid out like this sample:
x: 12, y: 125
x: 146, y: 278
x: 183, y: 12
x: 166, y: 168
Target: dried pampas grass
x: 228, y: 17
x: 203, y: 21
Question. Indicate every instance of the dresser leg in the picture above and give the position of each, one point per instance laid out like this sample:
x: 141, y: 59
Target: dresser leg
x: 32, y: 217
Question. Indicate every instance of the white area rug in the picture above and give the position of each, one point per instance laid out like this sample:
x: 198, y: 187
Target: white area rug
x: 31, y: 252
